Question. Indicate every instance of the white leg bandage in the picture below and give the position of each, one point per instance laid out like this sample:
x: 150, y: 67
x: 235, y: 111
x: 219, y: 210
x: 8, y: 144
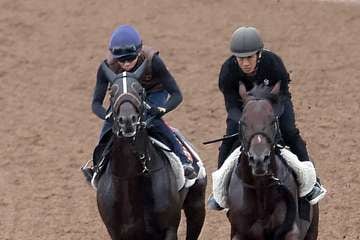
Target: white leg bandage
x: 305, y: 171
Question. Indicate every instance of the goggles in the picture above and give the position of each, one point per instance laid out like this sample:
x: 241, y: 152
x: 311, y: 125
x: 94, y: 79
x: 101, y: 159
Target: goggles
x: 124, y: 50
x: 127, y: 58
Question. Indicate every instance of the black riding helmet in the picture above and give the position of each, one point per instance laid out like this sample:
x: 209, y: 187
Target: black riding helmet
x: 246, y: 41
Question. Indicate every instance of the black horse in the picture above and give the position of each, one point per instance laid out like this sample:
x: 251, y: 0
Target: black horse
x: 263, y: 192
x: 137, y: 195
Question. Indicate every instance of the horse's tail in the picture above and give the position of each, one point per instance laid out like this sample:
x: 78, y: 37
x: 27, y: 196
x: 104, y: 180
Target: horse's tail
x: 290, y: 216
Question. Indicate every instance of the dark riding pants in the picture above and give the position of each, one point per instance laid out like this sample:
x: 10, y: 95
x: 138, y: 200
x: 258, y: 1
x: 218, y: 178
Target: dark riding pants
x: 289, y: 131
x: 159, y: 128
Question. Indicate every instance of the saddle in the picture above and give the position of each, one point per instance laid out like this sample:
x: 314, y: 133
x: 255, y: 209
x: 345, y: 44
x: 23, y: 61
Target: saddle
x: 302, y: 171
x: 102, y: 152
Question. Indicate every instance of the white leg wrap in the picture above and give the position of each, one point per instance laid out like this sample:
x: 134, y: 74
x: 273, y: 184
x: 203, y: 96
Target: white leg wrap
x: 221, y: 178
x: 305, y: 171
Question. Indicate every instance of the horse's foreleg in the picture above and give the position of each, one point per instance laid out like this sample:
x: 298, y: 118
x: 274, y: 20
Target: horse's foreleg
x: 171, y: 234
x: 312, y: 232
x: 195, y: 216
x: 294, y: 234
x: 240, y: 236
x: 194, y: 208
x: 235, y: 236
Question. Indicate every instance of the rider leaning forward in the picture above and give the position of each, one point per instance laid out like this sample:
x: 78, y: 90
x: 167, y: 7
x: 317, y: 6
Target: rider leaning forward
x: 251, y: 64
x: 162, y: 92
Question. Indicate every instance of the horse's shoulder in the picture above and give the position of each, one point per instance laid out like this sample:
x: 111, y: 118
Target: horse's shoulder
x: 285, y: 172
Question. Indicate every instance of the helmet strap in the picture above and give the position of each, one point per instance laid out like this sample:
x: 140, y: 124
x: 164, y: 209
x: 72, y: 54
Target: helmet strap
x: 259, y: 54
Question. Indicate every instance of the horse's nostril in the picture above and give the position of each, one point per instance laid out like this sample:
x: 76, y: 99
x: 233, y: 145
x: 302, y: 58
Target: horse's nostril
x: 121, y: 120
x: 133, y: 118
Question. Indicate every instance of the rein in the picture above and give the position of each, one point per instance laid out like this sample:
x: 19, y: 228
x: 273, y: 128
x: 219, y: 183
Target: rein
x: 126, y: 88
x: 274, y: 180
x: 141, y: 151
x: 221, y: 139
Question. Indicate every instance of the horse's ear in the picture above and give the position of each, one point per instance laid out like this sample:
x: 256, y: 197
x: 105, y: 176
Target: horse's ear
x: 276, y: 89
x: 114, y: 89
x: 108, y: 72
x: 242, y: 92
x: 139, y: 71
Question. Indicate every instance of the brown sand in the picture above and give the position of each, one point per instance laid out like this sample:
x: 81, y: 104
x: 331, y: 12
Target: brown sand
x: 50, y: 51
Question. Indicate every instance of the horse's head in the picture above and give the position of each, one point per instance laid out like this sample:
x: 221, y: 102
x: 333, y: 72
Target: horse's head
x: 127, y: 100
x: 259, y: 127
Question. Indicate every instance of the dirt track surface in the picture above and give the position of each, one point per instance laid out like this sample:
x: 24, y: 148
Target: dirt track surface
x: 50, y: 51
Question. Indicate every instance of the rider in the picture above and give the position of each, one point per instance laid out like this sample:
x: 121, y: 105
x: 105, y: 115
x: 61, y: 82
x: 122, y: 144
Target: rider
x: 162, y: 92
x: 251, y: 64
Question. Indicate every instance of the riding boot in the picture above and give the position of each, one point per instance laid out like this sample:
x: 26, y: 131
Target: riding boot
x: 318, y: 192
x: 88, y: 172
x: 189, y: 170
x: 100, y: 155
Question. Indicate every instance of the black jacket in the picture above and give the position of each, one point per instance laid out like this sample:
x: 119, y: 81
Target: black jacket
x: 159, y: 72
x: 270, y: 70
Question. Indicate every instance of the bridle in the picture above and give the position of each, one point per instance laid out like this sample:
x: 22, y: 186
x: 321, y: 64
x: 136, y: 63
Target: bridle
x: 125, y: 88
x: 136, y: 121
x: 245, y: 141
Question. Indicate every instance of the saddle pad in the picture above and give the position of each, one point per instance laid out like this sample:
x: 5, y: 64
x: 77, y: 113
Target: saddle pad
x: 304, y: 171
x: 221, y: 178
x: 177, y: 166
x: 189, y: 149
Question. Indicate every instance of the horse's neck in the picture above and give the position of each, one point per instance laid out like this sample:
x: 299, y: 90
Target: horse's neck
x: 283, y: 171
x: 259, y: 186
x: 244, y: 170
x: 126, y: 185
x: 124, y: 161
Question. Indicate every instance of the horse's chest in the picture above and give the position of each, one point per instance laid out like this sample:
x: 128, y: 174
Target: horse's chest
x: 249, y: 209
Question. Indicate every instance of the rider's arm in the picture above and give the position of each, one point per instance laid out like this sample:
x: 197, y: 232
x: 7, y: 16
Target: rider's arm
x: 281, y: 74
x: 229, y: 86
x: 161, y: 73
x: 99, y: 94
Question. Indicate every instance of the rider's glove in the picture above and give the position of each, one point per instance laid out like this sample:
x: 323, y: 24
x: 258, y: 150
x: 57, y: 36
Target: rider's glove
x: 157, y: 111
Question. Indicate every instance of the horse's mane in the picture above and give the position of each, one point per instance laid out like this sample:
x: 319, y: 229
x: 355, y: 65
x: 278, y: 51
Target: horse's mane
x: 260, y: 92
x: 264, y: 92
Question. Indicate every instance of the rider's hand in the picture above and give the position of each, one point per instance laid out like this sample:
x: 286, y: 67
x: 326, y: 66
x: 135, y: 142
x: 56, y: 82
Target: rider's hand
x: 108, y: 115
x: 157, y: 111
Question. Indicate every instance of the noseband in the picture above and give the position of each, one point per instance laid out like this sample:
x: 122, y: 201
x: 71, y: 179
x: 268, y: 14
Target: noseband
x: 134, y: 97
x: 246, y: 141
x: 129, y: 90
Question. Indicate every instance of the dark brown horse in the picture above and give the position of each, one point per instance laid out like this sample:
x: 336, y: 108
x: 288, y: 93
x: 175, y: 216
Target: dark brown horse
x: 263, y: 192
x: 137, y: 196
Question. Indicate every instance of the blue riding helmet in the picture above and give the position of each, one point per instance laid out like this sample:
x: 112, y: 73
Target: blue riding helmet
x: 125, y: 42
